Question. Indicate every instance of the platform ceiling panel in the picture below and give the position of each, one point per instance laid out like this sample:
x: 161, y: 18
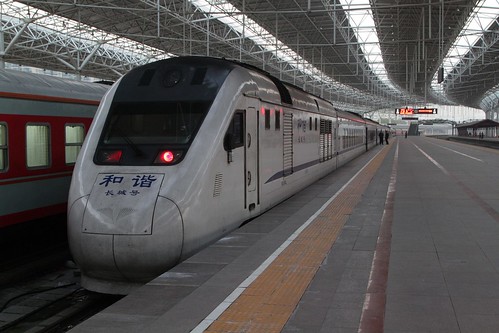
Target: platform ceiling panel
x: 313, y: 33
x: 413, y: 37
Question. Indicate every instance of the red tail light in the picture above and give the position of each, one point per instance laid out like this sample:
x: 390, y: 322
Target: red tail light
x: 167, y: 157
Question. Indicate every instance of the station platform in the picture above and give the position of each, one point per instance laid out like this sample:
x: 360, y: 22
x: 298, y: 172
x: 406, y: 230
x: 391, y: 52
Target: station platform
x: 491, y: 142
x: 403, y: 239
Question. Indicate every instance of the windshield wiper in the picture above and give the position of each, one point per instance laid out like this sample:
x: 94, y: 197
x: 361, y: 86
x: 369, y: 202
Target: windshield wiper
x: 130, y: 143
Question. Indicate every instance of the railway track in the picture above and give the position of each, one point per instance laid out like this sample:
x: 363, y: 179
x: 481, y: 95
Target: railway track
x: 39, y: 285
x: 54, y: 302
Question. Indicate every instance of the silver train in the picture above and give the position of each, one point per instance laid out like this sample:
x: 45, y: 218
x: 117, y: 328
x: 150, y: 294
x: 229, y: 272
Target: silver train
x: 183, y: 151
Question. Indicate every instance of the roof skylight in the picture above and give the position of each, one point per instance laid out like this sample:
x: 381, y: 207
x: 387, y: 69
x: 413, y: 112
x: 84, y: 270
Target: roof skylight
x: 361, y: 20
x: 246, y: 27
x: 86, y: 35
x: 479, y: 22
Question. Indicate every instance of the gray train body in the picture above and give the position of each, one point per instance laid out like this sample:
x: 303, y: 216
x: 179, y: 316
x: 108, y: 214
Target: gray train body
x: 183, y: 151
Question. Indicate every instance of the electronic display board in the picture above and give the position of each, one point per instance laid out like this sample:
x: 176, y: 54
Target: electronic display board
x: 404, y: 111
x: 427, y: 111
x: 410, y: 111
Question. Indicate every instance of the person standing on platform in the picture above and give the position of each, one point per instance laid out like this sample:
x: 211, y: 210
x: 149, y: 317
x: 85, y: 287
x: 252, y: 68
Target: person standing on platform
x: 406, y: 134
x: 387, y: 134
x: 380, y: 137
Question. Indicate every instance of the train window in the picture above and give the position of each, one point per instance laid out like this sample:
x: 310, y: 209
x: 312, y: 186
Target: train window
x: 267, y: 119
x: 235, y: 132
x: 277, y: 120
x: 316, y: 124
x: 154, y: 123
x: 37, y: 146
x: 3, y: 147
x: 310, y: 123
x: 73, y: 142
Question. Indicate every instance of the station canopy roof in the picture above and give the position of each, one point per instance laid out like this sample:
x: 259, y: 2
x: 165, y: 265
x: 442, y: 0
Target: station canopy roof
x: 362, y: 54
x: 486, y: 123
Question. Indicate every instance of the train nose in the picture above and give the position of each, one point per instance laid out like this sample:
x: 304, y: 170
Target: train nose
x: 145, y: 257
x: 124, y: 242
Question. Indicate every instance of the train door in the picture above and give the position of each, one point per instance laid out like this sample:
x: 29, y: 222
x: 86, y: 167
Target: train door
x: 251, y: 159
x: 367, y: 139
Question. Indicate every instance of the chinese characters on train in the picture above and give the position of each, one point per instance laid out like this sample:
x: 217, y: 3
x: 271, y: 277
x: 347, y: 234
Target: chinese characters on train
x: 302, y: 128
x: 138, y: 183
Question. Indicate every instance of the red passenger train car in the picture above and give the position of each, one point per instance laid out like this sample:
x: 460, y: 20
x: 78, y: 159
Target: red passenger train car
x: 43, y: 121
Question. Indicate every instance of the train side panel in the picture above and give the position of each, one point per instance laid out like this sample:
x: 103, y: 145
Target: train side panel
x: 351, y: 136
x: 229, y: 182
x: 42, y: 139
x: 224, y: 183
x: 293, y: 146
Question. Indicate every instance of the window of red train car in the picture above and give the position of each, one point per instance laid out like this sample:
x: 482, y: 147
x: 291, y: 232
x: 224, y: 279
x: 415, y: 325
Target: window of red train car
x: 75, y: 134
x: 3, y: 148
x: 37, y: 146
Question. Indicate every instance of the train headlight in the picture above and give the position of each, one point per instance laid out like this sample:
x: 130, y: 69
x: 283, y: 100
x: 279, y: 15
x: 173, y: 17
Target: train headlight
x: 168, y: 157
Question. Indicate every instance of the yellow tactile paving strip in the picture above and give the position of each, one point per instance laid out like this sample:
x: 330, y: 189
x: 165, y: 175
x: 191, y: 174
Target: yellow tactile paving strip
x: 268, y: 302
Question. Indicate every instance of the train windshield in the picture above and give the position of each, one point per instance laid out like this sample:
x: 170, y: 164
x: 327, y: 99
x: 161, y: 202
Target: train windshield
x: 164, y: 122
